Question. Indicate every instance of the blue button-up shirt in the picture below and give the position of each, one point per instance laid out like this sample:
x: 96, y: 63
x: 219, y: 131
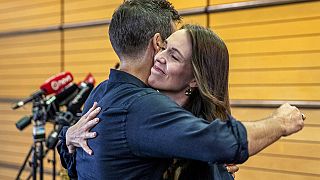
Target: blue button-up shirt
x: 141, y: 130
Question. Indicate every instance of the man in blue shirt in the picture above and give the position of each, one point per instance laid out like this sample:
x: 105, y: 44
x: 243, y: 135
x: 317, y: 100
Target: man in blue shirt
x: 141, y: 129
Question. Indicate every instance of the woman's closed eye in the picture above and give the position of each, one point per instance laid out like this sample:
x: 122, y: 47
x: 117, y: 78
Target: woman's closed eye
x: 174, y: 57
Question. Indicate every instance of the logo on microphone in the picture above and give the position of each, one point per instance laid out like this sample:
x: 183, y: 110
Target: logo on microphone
x: 55, y: 85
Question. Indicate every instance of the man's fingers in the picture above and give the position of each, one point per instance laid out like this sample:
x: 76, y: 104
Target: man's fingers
x: 93, y: 114
x: 86, y: 148
x: 91, y: 109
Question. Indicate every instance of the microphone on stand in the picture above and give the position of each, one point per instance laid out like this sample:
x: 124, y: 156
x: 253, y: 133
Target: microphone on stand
x: 52, y: 85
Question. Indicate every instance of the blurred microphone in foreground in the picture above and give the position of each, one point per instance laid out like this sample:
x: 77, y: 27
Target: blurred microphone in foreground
x: 52, y: 85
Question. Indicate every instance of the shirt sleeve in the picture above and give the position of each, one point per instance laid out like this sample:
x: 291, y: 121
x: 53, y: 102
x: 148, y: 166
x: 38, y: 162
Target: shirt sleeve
x: 158, y: 127
x: 68, y: 160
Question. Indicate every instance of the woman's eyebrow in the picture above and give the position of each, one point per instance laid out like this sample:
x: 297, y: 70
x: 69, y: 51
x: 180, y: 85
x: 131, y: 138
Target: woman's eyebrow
x: 174, y: 49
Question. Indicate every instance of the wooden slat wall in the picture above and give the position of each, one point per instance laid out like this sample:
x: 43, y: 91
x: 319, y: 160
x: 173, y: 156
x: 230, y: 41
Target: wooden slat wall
x: 20, y: 14
x: 274, y: 56
x: 89, y: 50
x: 273, y: 53
x: 188, y: 4
x: 219, y: 2
x: 293, y: 157
x: 26, y: 61
x: 86, y: 10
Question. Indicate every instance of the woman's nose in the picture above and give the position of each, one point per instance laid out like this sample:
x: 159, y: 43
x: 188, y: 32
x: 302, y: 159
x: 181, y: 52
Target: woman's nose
x: 161, y: 60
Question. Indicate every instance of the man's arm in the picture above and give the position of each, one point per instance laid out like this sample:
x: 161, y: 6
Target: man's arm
x: 284, y: 121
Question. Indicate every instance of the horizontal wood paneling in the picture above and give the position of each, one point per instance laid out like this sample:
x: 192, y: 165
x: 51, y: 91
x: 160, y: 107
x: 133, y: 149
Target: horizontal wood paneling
x: 270, y: 92
x: 26, y: 61
x: 217, y: 2
x: 89, y: 50
x: 19, y: 14
x: 188, y: 4
x: 277, y: 77
x: 269, y: 30
x: 307, y: 10
x: 86, y: 10
x: 9, y: 173
x: 273, y: 51
x: 292, y: 61
x: 274, y: 55
x: 249, y: 173
x: 295, y: 156
x: 195, y: 19
x: 288, y: 164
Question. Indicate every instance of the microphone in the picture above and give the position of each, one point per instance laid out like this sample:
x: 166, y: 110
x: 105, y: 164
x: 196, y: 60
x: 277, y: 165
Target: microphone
x: 52, y: 105
x: 63, y: 98
x: 52, y: 85
x: 85, y: 87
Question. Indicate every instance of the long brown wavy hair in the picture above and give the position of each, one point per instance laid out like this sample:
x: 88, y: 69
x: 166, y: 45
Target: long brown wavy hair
x: 210, y: 63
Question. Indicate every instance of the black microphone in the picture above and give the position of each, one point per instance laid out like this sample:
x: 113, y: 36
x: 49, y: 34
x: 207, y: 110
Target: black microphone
x: 63, y: 98
x: 52, y: 85
x: 75, y: 105
x: 23, y: 122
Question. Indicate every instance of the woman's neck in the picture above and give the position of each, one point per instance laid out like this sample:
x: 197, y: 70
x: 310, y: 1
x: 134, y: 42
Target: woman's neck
x: 179, y: 97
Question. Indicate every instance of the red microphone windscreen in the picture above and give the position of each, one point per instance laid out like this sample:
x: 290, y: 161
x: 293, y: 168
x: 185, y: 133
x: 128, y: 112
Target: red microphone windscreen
x: 56, y: 83
x: 89, y: 79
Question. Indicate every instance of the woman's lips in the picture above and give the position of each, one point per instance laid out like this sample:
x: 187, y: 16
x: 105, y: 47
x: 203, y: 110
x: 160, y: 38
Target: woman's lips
x: 158, y: 69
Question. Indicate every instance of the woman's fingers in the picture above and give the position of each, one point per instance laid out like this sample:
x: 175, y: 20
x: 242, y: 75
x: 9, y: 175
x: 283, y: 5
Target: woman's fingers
x: 94, y: 106
x: 231, y: 168
x: 90, y: 135
x: 77, y: 135
x: 90, y: 124
x: 86, y: 148
x: 93, y: 114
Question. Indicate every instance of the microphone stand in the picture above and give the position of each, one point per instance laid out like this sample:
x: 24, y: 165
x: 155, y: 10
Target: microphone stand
x: 37, y: 149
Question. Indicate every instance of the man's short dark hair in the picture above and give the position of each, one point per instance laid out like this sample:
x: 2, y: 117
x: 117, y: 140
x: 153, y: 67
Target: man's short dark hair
x: 135, y: 22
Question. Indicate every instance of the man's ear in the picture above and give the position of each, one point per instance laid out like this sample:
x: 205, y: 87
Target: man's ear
x: 157, y: 42
x: 193, y: 83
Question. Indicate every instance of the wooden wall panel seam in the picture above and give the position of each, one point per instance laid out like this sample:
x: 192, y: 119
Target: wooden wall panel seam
x: 54, y: 2
x: 208, y: 9
x: 273, y: 53
x: 274, y: 69
x: 75, y: 11
x: 251, y: 4
x: 271, y: 37
x: 31, y: 17
x: 278, y: 171
x: 245, y: 24
x: 275, y: 85
x: 286, y: 156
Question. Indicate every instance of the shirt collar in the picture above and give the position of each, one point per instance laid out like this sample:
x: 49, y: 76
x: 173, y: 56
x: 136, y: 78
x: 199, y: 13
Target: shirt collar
x: 123, y: 77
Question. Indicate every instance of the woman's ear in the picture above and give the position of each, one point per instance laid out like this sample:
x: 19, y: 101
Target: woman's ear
x: 193, y: 83
x: 157, y: 42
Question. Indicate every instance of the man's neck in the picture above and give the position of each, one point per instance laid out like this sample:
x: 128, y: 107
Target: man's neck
x: 137, y: 69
